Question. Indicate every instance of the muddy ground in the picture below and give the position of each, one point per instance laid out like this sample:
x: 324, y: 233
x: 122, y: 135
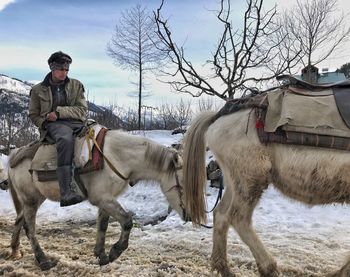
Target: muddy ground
x: 160, y: 251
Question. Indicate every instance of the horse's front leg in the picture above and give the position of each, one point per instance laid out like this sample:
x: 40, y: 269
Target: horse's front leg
x: 114, y: 209
x: 29, y: 212
x: 102, y: 224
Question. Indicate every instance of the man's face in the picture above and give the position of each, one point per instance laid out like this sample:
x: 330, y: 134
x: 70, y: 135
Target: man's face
x: 59, y: 74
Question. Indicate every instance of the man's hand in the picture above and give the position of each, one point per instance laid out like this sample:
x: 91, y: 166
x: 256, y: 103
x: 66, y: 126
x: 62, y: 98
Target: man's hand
x: 51, y: 116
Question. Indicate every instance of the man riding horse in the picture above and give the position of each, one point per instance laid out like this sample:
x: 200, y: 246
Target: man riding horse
x: 58, y: 108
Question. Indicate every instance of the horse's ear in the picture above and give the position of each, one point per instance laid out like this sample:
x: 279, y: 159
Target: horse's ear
x: 177, y: 160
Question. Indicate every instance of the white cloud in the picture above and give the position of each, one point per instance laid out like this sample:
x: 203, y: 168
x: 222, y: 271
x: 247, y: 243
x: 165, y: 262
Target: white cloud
x: 5, y: 3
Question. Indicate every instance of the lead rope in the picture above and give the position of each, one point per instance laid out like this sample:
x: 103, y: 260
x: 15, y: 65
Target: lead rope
x: 91, y: 135
x: 219, y: 195
x: 221, y: 188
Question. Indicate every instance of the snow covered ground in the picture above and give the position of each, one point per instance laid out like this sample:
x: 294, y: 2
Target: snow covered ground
x: 306, y: 241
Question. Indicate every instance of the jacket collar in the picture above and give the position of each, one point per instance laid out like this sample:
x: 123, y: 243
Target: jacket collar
x: 46, y: 81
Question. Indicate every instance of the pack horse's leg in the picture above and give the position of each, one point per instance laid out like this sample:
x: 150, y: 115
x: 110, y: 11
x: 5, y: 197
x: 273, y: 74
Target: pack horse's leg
x: 221, y: 226
x: 241, y: 210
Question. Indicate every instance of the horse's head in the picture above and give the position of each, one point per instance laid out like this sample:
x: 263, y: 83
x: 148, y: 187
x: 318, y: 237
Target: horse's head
x: 3, y: 174
x: 173, y: 188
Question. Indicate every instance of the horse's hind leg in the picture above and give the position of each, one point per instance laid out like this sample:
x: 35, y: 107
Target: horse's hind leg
x: 15, y: 240
x: 245, y: 198
x: 221, y: 226
x: 102, y: 224
x: 29, y: 212
x: 114, y: 209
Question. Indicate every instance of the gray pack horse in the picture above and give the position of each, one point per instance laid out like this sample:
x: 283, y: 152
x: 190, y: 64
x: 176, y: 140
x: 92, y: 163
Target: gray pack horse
x: 137, y: 158
x: 308, y: 174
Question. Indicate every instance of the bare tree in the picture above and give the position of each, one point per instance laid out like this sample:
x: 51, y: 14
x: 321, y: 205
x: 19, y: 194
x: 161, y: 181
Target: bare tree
x: 166, y: 114
x: 183, y: 113
x: 16, y: 129
x: 134, y: 45
x: 175, y: 116
x: 242, y: 58
x: 317, y: 30
x: 205, y: 104
x: 345, y: 68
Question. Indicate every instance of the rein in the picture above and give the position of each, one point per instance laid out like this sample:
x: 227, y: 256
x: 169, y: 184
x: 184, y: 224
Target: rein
x: 91, y: 135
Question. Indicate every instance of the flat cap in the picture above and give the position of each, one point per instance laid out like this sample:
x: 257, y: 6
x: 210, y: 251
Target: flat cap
x: 59, y: 58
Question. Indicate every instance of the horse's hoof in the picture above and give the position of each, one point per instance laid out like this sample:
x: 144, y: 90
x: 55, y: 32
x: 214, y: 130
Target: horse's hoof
x: 270, y: 271
x: 114, y: 254
x: 116, y: 251
x: 103, y: 260
x: 16, y: 255
x: 228, y: 273
x: 47, y: 265
x: 275, y: 273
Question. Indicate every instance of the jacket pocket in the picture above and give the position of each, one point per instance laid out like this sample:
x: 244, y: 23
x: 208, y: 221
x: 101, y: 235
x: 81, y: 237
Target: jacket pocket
x: 45, y: 105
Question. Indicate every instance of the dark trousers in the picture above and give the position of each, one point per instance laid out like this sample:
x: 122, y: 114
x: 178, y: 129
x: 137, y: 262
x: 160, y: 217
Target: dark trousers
x: 63, y: 133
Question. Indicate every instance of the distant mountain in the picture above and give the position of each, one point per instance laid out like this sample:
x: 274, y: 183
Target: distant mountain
x: 15, y: 85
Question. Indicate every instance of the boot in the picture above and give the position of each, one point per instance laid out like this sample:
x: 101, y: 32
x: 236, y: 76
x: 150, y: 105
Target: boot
x: 68, y: 186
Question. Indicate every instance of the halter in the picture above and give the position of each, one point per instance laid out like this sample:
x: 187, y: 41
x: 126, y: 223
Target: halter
x: 179, y: 190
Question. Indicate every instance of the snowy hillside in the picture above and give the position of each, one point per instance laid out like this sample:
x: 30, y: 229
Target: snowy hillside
x: 16, y: 85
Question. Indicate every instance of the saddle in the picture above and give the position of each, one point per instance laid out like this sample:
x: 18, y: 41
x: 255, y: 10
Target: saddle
x: 301, y: 113
x: 87, y: 156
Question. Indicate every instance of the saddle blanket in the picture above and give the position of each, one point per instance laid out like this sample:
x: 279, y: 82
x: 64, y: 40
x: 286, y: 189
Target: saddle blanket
x: 45, y: 158
x: 311, y: 112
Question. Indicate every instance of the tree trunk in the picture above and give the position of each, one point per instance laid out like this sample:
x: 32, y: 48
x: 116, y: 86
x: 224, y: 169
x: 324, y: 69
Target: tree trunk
x: 140, y: 95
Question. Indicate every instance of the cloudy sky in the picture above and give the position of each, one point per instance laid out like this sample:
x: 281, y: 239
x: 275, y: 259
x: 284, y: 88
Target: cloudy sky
x: 30, y: 30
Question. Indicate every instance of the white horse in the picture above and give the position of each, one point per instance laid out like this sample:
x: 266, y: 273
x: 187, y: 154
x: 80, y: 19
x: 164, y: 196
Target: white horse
x: 307, y: 174
x: 137, y: 158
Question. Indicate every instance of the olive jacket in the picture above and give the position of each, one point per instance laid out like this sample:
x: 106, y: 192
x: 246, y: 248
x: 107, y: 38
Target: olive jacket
x: 41, y: 101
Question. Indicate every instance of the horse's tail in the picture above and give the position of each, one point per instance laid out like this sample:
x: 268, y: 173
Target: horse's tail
x: 16, y: 202
x: 194, y: 167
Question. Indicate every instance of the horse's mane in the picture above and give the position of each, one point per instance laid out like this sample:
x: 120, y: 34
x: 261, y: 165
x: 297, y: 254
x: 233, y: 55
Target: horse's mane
x: 160, y: 157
